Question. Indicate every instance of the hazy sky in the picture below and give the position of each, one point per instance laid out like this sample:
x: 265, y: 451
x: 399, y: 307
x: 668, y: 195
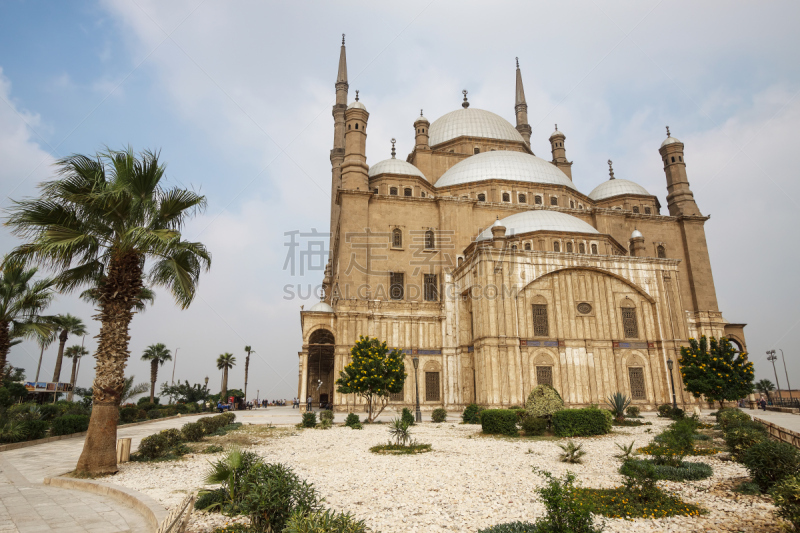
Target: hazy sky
x: 238, y: 95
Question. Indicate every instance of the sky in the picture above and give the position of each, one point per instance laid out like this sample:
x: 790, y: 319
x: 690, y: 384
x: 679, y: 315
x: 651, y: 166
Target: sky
x: 238, y: 95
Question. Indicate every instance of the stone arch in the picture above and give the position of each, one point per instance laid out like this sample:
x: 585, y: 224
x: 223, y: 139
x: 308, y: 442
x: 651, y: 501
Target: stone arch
x: 633, y: 359
x: 626, y: 281
x: 321, y: 359
x: 543, y: 357
x: 431, y: 382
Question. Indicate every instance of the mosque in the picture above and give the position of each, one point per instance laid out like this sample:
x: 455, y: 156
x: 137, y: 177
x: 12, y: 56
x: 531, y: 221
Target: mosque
x: 488, y: 267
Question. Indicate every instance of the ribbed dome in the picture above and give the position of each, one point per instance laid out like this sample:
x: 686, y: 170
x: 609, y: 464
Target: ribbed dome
x: 356, y: 105
x: 504, y: 165
x: 321, y: 307
x: 472, y: 122
x: 395, y: 166
x: 615, y: 187
x: 669, y: 140
x: 540, y: 220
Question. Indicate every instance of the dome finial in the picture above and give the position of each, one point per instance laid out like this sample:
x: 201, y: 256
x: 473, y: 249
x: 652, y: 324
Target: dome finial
x: 668, y: 135
x: 343, y: 39
x: 356, y: 95
x: 464, y: 104
x: 610, y: 170
x: 420, y: 112
x: 556, y: 127
x: 517, y: 61
x: 393, y: 141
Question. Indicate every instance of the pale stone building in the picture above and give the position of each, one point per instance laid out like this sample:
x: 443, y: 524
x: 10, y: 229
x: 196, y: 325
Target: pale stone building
x: 487, y: 263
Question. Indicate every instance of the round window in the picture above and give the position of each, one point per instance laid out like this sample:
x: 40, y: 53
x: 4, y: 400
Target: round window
x: 584, y: 308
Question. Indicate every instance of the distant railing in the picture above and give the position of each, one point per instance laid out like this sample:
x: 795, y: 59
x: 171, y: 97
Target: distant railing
x: 780, y: 433
x: 784, y: 402
x: 178, y: 519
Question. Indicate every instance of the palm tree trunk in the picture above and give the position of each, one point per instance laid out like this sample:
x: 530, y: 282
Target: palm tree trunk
x: 246, y: 370
x: 122, y: 285
x: 5, y: 346
x: 62, y: 341
x: 225, y: 385
x: 153, y: 379
x: 73, y: 377
x: 39, y: 366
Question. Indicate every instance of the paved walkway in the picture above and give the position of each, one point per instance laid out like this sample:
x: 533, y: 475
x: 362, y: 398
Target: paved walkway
x: 785, y: 420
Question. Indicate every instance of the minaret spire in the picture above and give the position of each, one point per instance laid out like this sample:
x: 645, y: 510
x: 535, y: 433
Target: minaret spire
x: 521, y: 109
x: 342, y: 77
x: 337, y: 154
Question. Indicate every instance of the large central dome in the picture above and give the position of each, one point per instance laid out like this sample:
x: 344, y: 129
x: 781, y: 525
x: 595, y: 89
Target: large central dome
x: 504, y: 165
x: 540, y: 220
x: 472, y: 123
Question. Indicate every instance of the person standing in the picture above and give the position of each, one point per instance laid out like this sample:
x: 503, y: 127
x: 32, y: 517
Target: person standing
x: 308, y: 403
x: 763, y: 404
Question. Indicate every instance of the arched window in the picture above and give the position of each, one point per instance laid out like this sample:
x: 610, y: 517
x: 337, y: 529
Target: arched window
x: 514, y: 247
x: 357, y: 128
x: 569, y: 247
x: 537, y: 200
x: 375, y: 190
x: 481, y: 197
x: 430, y: 240
x: 572, y: 204
x: 540, y: 325
x: 647, y: 211
x: 527, y: 246
x: 580, y: 206
x: 460, y: 261
x: 422, y: 194
x: 393, y: 191
x: 348, y: 126
x: 506, y: 197
x: 476, y: 151
x: 661, y: 252
x: 673, y: 157
x: 397, y: 238
x: 407, y: 192
x: 629, y: 325
x: 521, y: 198
x: 554, y: 200
x: 680, y: 159
x: 594, y: 249
x: 556, y: 246
x: 582, y: 248
x: 636, y: 209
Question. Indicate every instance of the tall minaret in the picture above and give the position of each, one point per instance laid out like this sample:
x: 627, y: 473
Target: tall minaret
x: 521, y: 109
x: 680, y: 198
x: 337, y: 154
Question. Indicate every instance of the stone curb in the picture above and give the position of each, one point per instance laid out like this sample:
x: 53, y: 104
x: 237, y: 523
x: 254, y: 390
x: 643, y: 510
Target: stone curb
x: 153, y: 512
x: 25, y: 444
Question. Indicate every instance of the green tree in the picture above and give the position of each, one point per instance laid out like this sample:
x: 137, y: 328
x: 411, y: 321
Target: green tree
x: 224, y: 362
x: 99, y: 225
x: 714, y: 370
x: 75, y: 353
x: 130, y: 391
x: 373, y: 374
x: 765, y: 386
x: 157, y: 354
x: 69, y: 325
x: 184, y: 392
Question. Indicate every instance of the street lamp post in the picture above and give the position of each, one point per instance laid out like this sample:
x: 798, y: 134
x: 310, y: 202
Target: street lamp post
x: 772, y: 357
x: 174, y: 364
x: 672, y: 380
x: 416, y: 386
x: 788, y: 385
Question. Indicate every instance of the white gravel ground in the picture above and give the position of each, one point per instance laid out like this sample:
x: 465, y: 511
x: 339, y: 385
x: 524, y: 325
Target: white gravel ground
x: 466, y: 483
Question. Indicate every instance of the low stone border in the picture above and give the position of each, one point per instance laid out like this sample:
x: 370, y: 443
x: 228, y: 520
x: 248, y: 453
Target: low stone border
x: 25, y: 444
x: 791, y: 410
x: 153, y: 512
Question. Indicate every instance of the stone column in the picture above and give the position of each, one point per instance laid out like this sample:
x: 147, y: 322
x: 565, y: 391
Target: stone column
x: 303, y: 380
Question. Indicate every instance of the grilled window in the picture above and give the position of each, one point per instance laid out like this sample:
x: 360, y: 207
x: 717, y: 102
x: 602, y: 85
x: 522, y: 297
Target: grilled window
x: 661, y: 252
x: 582, y: 248
x: 540, y: 328
x: 431, y: 289
x: 397, y: 238
x: 544, y: 375
x: 569, y: 247
x: 375, y: 190
x: 636, y: 375
x: 396, y: 396
x: 553, y: 200
x: 636, y: 209
x: 537, y: 200
x: 594, y: 249
x: 506, y: 197
x: 629, y: 323
x: 476, y: 151
x: 527, y: 246
x: 521, y: 198
x: 393, y: 191
x: 556, y: 246
x: 481, y: 197
x: 432, y: 387
x: 572, y: 204
x: 647, y: 210
x: 396, y: 285
x: 408, y: 192
x: 430, y: 240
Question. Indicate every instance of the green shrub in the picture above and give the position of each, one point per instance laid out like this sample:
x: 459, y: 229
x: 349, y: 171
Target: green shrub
x: 513, y: 527
x: 68, y: 424
x: 632, y: 411
x: 228, y: 418
x: 731, y: 417
x: 145, y: 403
x: 499, y: 421
x: 12, y: 430
x: 211, y: 498
x: 309, y: 419
x: 572, y: 453
x: 581, y: 422
x: 324, y: 522
x: 357, y: 425
x: 181, y: 408
x: 471, y: 414
x: 739, y: 438
x: 664, y: 410
x: 35, y: 429
x: 563, y: 513
x: 173, y: 436
x: 327, y: 414
x: 543, y: 401
x: 618, y: 403
x: 128, y: 414
x: 192, y: 432
x: 439, y: 415
x: 153, y: 414
x: 351, y: 420
x: 533, y: 426
x: 271, y: 493
x: 153, y: 446
x: 192, y: 408
x: 770, y: 461
x: 407, y: 416
x: 682, y: 472
x: 677, y: 413
x: 325, y: 424
x: 786, y: 494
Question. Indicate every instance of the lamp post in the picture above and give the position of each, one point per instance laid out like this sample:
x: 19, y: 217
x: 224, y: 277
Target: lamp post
x: 772, y: 357
x: 206, y: 401
x: 416, y: 387
x: 174, y: 364
x: 788, y: 385
x: 672, y: 380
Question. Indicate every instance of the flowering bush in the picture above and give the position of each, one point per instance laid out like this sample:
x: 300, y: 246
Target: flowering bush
x: 714, y: 370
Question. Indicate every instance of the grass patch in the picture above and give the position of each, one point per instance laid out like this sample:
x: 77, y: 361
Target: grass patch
x: 630, y: 423
x: 685, y: 471
x: 747, y: 487
x: 397, y: 449
x: 616, y: 503
x: 657, y: 449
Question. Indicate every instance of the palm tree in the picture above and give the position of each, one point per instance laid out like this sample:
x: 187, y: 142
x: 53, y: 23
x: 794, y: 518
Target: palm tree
x: 249, y: 350
x: 130, y: 391
x: 44, y: 339
x: 68, y: 324
x: 157, y: 354
x: 145, y: 297
x: 97, y: 226
x: 765, y: 386
x: 21, y: 302
x: 74, y: 352
x: 224, y: 362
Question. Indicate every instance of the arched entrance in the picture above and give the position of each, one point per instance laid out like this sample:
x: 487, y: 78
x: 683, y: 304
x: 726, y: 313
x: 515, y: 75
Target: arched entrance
x: 320, y: 367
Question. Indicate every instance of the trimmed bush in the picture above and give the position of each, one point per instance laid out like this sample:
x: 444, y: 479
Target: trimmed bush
x: 770, y: 461
x: 153, y: 414
x: 309, y: 420
x: 145, y: 403
x: 499, y: 422
x: 472, y: 414
x: 229, y: 418
x: 787, y: 497
x: 684, y: 471
x: 351, y: 420
x: 664, y: 410
x: 271, y: 493
x: 543, y: 401
x: 739, y: 438
x: 192, y: 432
x: 35, y: 429
x: 326, y: 415
x: 732, y: 417
x: 128, y: 414
x: 181, y: 408
x: 327, y: 521
x: 439, y: 415
x: 533, y: 426
x: 632, y: 411
x: 581, y: 422
x: 70, y: 424
x: 408, y: 416
x: 173, y: 436
x: 211, y: 498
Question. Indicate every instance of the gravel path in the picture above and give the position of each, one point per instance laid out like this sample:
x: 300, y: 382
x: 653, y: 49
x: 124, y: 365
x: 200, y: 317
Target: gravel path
x: 468, y: 482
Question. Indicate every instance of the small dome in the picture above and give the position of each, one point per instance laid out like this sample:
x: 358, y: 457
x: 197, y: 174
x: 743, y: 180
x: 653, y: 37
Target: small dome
x: 504, y: 165
x: 497, y: 223
x: 421, y: 119
x: 356, y: 105
x: 395, y: 166
x: 637, y: 234
x: 540, y: 220
x: 472, y: 122
x: 669, y: 140
x: 615, y: 187
x: 321, y: 307
x: 557, y: 133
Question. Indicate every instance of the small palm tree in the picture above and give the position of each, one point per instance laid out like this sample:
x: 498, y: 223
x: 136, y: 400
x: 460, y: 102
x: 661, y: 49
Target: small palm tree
x: 224, y: 362
x: 75, y: 352
x: 44, y: 339
x: 97, y: 225
x: 765, y: 386
x: 224, y: 472
x: 626, y: 451
x: 157, y: 354
x: 618, y: 402
x: 69, y: 325
x: 400, y: 431
x: 247, y: 350
x: 130, y: 391
x: 572, y: 452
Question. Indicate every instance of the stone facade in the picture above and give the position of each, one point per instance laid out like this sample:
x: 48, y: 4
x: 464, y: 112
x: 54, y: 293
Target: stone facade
x: 486, y: 263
